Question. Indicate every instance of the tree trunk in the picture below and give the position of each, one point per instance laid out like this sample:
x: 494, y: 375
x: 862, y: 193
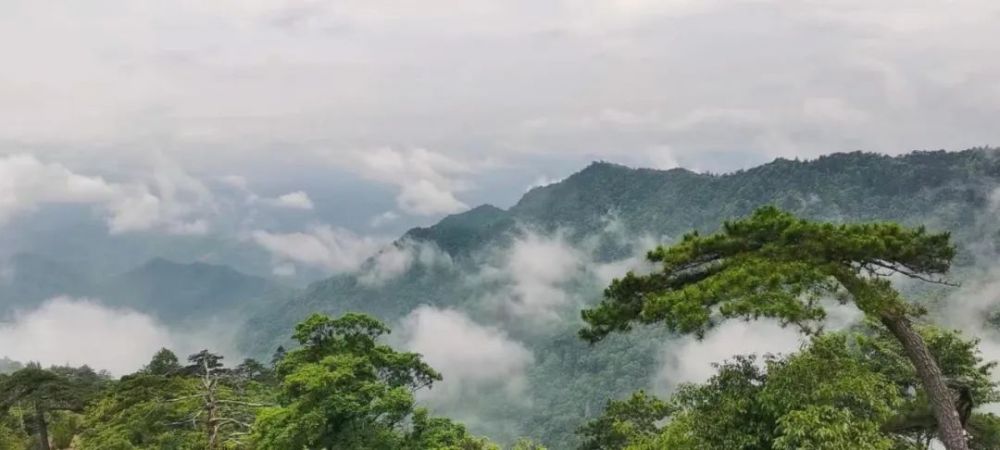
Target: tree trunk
x: 942, y: 403
x: 43, y: 429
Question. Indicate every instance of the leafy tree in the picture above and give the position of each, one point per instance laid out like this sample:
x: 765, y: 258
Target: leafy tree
x: 624, y: 421
x: 225, y: 412
x: 773, y: 264
x: 12, y: 434
x: 839, y: 392
x: 526, y: 444
x: 45, y: 392
x: 441, y: 434
x: 164, y: 362
x: 342, y: 389
x: 201, y: 405
x: 145, y: 411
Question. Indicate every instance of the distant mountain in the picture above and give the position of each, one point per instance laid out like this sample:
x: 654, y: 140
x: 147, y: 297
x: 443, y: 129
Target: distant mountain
x: 170, y: 291
x: 28, y: 279
x: 174, y: 291
x: 949, y: 189
x: 610, y: 213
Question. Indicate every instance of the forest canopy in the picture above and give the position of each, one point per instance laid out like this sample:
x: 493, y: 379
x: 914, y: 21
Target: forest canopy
x: 890, y: 382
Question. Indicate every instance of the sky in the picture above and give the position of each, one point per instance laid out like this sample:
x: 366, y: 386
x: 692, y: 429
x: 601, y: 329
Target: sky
x: 318, y: 130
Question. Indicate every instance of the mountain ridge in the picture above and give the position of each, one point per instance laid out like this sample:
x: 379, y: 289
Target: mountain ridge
x: 165, y: 289
x: 601, y: 219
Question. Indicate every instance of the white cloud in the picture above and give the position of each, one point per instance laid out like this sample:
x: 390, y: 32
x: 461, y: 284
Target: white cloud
x: 601, y: 79
x: 424, y: 198
x: 395, y: 260
x: 471, y: 357
x: 542, y: 181
x: 27, y: 183
x: 688, y: 360
x: 535, y: 271
x: 967, y: 309
x: 383, y: 219
x: 321, y: 246
x: 427, y: 181
x: 74, y: 331
x: 292, y: 200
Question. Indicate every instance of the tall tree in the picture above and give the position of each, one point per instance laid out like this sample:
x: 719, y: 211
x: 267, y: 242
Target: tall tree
x: 45, y: 391
x: 342, y: 389
x: 773, y: 264
x: 164, y: 362
x: 842, y: 390
x: 168, y: 406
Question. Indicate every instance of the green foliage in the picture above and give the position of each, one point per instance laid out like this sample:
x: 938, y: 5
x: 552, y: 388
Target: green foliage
x: 164, y: 362
x: 342, y: 389
x: 64, y: 427
x: 770, y: 264
x: 527, y: 444
x: 12, y: 433
x: 439, y: 433
x: 570, y: 382
x: 624, y: 421
x: 839, y: 392
x: 144, y: 411
x: 985, y: 431
x: 828, y: 428
x: 166, y: 406
x: 45, y: 403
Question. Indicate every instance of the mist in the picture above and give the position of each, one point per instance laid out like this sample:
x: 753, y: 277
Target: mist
x: 82, y: 331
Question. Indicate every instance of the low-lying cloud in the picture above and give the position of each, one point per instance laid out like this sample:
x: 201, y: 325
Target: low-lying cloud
x: 78, y: 331
x: 395, y: 260
x: 427, y: 181
x: 688, y: 360
x: 332, y: 249
x: 535, y: 271
x: 472, y: 357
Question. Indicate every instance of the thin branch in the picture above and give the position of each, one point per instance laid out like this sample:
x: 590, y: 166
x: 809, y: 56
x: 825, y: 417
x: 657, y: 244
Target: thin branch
x: 905, y: 271
x: 253, y: 405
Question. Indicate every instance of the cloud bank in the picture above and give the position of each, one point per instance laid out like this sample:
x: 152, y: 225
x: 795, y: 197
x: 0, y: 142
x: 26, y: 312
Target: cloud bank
x: 332, y: 249
x: 79, y: 331
x: 172, y: 201
x: 472, y: 357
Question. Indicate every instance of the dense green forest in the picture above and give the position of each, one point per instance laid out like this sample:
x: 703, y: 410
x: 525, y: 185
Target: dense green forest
x: 894, y: 381
x: 830, y: 239
x: 611, y: 215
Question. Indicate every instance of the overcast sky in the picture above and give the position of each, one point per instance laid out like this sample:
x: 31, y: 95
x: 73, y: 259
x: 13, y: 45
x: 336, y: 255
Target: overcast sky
x: 341, y: 120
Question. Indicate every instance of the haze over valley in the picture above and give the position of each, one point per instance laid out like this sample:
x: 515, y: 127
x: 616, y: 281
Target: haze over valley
x: 518, y: 225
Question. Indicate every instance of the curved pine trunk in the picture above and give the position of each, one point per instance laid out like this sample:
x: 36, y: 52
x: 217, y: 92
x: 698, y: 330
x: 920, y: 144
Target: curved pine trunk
x: 43, y: 429
x: 942, y: 403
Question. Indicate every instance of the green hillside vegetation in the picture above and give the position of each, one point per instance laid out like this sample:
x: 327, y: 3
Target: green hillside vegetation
x: 339, y: 389
x: 607, y: 210
x: 782, y: 241
x: 174, y: 292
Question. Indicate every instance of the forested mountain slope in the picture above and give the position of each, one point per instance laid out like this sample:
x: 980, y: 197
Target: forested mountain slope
x: 174, y: 291
x: 28, y: 279
x: 528, y: 270
x: 171, y: 292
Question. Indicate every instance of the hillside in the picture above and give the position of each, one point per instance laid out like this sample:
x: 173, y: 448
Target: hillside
x: 28, y: 279
x: 170, y: 291
x: 174, y: 292
x: 604, y: 215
